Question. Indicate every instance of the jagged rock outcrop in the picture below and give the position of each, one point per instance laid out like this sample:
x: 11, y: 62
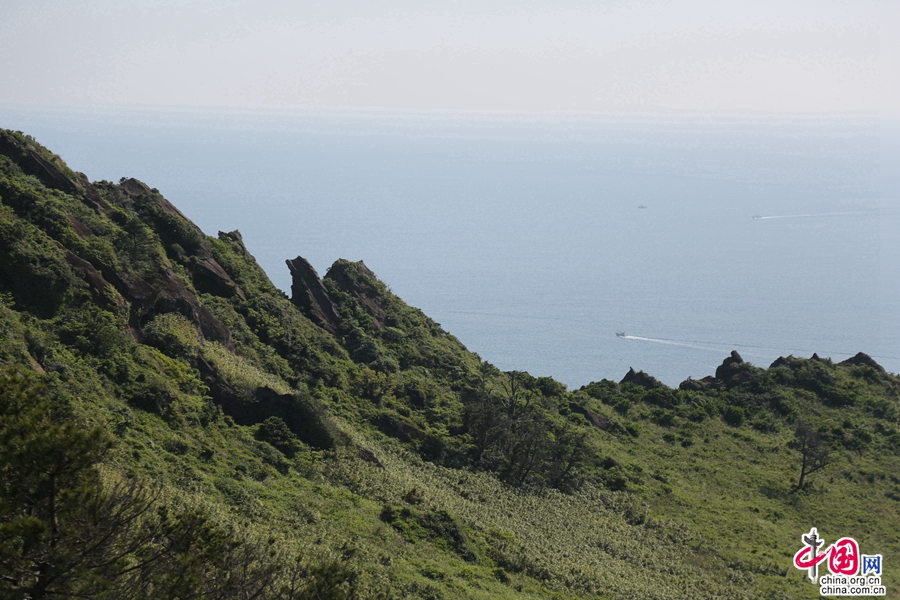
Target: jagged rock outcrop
x: 312, y: 294
x: 236, y: 237
x: 309, y: 293
x: 734, y: 370
x: 780, y: 362
x: 863, y: 359
x: 136, y: 188
x: 140, y: 297
x: 640, y: 378
x: 54, y: 176
x: 182, y: 239
x: 356, y: 279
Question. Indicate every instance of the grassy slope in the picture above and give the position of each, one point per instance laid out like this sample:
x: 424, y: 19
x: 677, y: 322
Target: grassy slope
x: 674, y: 502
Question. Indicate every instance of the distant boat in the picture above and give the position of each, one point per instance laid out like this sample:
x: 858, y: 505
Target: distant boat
x: 642, y: 206
x: 620, y: 334
x: 757, y: 216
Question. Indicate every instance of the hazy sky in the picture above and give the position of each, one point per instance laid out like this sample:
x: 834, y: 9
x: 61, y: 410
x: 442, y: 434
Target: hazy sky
x: 695, y: 56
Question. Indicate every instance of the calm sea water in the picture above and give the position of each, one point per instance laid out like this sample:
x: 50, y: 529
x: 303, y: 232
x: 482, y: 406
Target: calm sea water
x: 535, y: 239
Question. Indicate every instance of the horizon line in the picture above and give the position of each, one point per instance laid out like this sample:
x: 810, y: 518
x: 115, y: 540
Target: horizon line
x: 375, y: 111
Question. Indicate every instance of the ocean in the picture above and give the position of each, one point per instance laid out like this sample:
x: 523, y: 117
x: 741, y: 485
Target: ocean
x: 534, y: 239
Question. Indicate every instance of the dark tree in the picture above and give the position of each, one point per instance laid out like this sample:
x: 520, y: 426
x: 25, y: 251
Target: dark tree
x: 276, y: 432
x: 47, y: 481
x: 515, y: 432
x: 67, y: 533
x: 815, y: 452
x: 483, y: 418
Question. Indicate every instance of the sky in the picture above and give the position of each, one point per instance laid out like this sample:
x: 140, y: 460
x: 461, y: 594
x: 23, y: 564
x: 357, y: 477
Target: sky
x: 813, y: 57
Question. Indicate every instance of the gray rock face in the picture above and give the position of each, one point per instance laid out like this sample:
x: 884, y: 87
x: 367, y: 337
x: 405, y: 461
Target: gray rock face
x: 309, y: 293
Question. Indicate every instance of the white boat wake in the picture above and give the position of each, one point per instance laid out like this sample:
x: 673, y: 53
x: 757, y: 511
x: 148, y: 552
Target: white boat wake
x: 834, y: 214
x: 746, y: 349
x: 670, y: 343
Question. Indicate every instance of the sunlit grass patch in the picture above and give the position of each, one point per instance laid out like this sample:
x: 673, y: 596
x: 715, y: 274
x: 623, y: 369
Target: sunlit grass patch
x: 240, y: 372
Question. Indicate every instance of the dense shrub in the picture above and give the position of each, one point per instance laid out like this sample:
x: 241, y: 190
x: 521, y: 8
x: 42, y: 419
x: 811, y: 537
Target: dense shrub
x: 734, y: 415
x: 276, y: 432
x: 31, y: 267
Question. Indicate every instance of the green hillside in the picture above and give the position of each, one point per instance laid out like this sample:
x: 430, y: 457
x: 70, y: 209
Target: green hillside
x: 174, y: 426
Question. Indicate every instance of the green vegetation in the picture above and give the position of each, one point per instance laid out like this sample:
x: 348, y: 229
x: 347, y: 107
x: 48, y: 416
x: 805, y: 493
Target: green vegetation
x: 174, y: 426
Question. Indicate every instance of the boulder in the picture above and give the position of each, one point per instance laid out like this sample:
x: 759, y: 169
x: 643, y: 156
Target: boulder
x: 691, y: 385
x: 141, y: 294
x: 209, y: 276
x: 734, y: 370
x: 134, y: 187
